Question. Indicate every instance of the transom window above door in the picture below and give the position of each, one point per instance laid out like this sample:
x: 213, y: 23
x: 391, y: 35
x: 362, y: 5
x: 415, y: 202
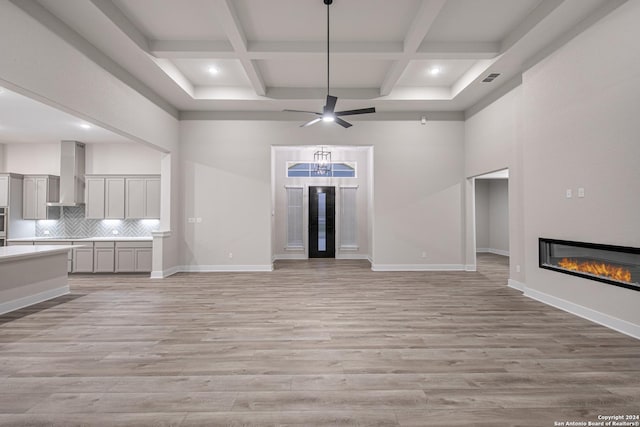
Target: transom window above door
x: 332, y: 170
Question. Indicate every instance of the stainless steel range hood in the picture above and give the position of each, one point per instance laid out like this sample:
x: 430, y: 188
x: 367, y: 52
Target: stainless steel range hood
x: 72, y: 168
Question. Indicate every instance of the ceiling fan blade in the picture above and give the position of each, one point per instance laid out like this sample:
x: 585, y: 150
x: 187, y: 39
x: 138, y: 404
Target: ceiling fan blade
x: 309, y: 123
x: 343, y: 123
x: 331, y: 104
x: 354, y: 112
x: 302, y: 111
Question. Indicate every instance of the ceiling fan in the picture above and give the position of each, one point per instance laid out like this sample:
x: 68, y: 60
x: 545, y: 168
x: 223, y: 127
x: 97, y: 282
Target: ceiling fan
x: 328, y: 111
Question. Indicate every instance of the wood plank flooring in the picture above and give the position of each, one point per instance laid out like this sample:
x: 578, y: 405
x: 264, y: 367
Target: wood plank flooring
x: 314, y: 343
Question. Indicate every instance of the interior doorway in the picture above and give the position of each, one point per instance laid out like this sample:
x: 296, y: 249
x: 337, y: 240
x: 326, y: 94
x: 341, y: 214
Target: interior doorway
x: 322, y: 215
x: 492, y: 213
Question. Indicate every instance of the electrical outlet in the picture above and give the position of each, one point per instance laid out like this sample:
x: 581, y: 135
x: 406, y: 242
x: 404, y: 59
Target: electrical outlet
x: 191, y: 220
x: 198, y: 220
x: 230, y: 255
x: 424, y: 254
x: 581, y: 192
x: 569, y: 193
x: 115, y: 232
x: 46, y: 232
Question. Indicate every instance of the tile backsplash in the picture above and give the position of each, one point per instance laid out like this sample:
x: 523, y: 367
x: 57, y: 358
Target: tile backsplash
x: 72, y: 223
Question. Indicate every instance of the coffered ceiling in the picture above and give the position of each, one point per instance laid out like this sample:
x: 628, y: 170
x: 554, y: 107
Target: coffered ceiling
x: 268, y: 55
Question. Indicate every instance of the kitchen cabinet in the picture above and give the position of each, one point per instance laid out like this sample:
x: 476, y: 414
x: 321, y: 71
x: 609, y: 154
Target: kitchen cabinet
x: 94, y: 198
x: 114, y: 198
x: 4, y: 190
x: 83, y: 257
x: 142, y: 197
x: 38, y: 190
x: 104, y: 257
x: 122, y: 197
x: 133, y: 257
x: 104, y: 197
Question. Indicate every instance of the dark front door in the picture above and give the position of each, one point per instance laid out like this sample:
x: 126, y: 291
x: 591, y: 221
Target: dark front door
x: 322, y: 215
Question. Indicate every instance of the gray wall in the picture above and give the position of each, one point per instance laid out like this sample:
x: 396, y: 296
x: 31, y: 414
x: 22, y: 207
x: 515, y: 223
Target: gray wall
x: 571, y: 124
x: 492, y: 216
x: 581, y: 130
x: 417, y: 179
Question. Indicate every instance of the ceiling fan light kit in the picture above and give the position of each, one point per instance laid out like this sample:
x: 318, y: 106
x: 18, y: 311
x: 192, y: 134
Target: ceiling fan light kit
x: 328, y: 111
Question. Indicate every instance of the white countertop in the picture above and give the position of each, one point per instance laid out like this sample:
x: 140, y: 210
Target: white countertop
x: 82, y: 239
x: 9, y: 253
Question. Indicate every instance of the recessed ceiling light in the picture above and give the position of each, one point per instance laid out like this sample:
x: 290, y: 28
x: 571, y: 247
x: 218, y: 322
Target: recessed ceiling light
x: 434, y: 71
x: 85, y: 126
x: 213, y: 70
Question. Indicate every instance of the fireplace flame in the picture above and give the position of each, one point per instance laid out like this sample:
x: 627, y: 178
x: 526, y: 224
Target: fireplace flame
x: 614, y: 272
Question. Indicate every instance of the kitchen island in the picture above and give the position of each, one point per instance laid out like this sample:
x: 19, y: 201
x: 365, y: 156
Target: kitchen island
x: 32, y: 274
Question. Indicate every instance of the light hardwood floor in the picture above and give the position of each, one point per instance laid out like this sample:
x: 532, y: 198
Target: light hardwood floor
x: 313, y: 343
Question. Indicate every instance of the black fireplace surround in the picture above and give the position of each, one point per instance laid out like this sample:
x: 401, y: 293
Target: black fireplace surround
x: 615, y: 265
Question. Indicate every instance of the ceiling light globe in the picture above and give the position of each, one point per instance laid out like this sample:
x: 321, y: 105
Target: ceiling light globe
x: 328, y: 118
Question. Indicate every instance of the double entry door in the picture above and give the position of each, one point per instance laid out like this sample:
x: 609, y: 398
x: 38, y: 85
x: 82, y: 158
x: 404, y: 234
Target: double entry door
x: 322, y: 219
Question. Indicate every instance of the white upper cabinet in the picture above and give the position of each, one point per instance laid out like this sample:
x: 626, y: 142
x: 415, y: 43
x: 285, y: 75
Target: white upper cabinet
x: 122, y: 197
x: 114, y: 198
x: 142, y: 197
x: 38, y: 191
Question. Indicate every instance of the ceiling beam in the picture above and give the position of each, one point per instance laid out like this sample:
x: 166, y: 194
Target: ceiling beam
x: 544, y: 9
x: 457, y: 50
x: 170, y: 49
x: 427, y: 14
x: 120, y: 20
x: 228, y: 17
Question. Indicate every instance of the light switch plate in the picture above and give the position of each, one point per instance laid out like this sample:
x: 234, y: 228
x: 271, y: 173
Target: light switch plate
x: 569, y: 193
x: 581, y: 192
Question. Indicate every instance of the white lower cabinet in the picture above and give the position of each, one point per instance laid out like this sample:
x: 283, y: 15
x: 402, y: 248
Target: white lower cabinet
x: 104, y: 257
x: 133, y: 257
x: 83, y: 257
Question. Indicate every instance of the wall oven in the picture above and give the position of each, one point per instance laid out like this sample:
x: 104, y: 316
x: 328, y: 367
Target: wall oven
x: 3, y: 226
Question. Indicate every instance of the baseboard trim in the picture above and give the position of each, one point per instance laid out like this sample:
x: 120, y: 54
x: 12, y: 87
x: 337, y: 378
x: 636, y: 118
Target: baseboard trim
x: 225, y: 268
x: 470, y: 267
x: 514, y: 284
x: 164, y: 273
x: 351, y: 256
x: 492, y: 251
x: 290, y: 256
x: 23, y: 302
x: 417, y: 267
x: 606, y: 320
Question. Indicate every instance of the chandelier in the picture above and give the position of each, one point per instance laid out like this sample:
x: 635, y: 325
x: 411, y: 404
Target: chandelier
x: 322, y: 162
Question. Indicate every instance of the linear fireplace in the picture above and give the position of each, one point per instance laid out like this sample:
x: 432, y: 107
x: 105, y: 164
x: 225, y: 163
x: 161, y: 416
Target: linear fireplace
x: 616, y: 265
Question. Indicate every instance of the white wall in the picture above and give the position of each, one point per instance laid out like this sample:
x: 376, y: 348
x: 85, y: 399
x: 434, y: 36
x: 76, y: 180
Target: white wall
x: 492, y: 216
x: 493, y: 141
x: 359, y: 155
x: 225, y: 172
x: 122, y: 159
x: 47, y: 68
x: 418, y: 200
x: 572, y: 123
x: 482, y: 215
x: 3, y: 166
x: 32, y: 158
x: 499, y: 216
x: 581, y: 129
